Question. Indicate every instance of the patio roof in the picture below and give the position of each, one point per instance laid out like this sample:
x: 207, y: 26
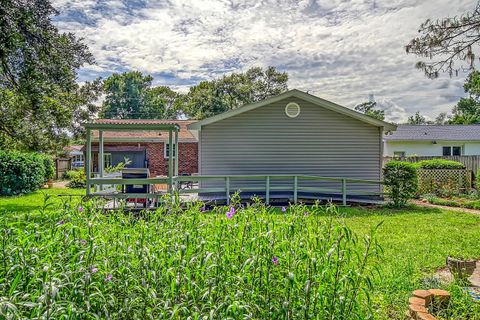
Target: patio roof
x: 132, y: 124
x: 184, y: 135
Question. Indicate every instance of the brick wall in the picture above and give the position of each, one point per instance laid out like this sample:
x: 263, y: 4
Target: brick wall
x: 158, y: 165
x: 187, y: 162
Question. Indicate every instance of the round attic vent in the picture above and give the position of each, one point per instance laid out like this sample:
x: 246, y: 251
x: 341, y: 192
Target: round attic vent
x: 292, y: 110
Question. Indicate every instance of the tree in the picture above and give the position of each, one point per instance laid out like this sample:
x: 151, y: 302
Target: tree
x: 130, y: 95
x: 368, y: 108
x: 467, y: 110
x: 442, y: 119
x: 448, y: 43
x: 209, y: 98
x: 39, y: 96
x: 417, y: 118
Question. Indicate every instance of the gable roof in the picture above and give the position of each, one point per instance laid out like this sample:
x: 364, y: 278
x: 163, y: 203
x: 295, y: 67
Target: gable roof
x: 298, y: 94
x: 184, y: 135
x: 452, y: 132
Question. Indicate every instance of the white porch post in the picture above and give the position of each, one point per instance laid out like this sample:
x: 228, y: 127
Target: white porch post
x: 88, y: 164
x: 176, y: 153
x: 170, y: 161
x: 101, y: 157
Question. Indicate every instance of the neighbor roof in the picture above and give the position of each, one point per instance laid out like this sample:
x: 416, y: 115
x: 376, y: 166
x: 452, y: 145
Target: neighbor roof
x: 298, y: 94
x: 184, y: 134
x: 435, y: 132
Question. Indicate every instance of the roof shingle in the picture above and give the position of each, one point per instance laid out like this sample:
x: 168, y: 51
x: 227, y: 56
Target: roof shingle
x: 184, y: 135
x: 435, y: 132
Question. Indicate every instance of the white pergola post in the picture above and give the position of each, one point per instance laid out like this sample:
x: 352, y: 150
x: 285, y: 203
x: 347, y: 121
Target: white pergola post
x: 176, y: 153
x: 170, y: 161
x: 101, y: 157
x: 88, y: 164
x: 176, y: 158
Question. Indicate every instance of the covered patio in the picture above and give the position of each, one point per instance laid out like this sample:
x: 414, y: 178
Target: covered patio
x: 101, y: 180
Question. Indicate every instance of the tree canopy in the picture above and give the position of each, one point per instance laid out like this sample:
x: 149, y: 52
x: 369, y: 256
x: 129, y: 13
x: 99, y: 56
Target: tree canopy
x: 418, y: 118
x: 369, y: 108
x: 209, y: 98
x: 130, y: 95
x: 448, y: 45
x: 467, y: 110
x: 40, y: 100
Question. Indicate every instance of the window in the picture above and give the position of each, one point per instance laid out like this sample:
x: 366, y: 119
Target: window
x: 166, y: 151
x: 452, y: 151
x: 292, y: 110
x: 78, y: 157
x: 107, y: 160
x: 456, y: 151
x: 399, y: 154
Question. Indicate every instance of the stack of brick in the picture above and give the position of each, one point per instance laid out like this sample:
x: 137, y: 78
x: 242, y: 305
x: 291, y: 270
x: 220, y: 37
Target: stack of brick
x: 422, y: 301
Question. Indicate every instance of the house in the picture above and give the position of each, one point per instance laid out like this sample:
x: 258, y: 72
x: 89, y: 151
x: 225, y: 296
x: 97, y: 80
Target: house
x: 75, y: 154
x: 433, y: 140
x: 294, y: 133
x: 146, y: 149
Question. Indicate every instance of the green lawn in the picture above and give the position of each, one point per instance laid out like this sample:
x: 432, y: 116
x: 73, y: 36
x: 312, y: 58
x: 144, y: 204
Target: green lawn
x: 415, y: 242
x: 34, y: 201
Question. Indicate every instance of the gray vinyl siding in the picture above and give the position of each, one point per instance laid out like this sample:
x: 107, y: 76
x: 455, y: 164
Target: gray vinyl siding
x: 266, y: 141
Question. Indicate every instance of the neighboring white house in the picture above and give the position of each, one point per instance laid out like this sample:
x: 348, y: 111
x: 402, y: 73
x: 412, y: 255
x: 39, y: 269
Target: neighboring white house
x: 75, y: 153
x: 433, y: 140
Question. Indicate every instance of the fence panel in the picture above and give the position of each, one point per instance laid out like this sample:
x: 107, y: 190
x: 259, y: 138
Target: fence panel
x: 453, y: 181
x: 471, y: 162
x: 62, y: 165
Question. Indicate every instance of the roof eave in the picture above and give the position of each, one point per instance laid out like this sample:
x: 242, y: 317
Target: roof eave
x: 130, y: 126
x: 301, y: 95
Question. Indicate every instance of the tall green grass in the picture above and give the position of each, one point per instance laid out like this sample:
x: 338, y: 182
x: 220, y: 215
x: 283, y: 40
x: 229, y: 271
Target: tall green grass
x: 190, y: 263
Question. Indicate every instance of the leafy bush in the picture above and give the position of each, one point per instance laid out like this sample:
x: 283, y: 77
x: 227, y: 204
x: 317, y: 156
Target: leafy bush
x: 78, y: 179
x: 247, y: 264
x: 400, y: 180
x: 440, y: 164
x: 49, y: 167
x: 21, y: 172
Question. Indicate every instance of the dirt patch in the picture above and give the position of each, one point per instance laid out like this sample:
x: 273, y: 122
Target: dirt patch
x: 445, y: 276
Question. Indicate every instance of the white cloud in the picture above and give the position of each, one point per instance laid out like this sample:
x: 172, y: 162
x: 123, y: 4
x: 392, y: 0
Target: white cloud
x: 340, y: 50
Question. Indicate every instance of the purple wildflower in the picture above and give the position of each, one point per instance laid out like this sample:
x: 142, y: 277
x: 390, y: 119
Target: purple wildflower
x: 108, y: 277
x: 202, y: 209
x: 83, y: 242
x: 229, y: 214
x: 93, y: 269
x: 80, y: 209
x: 305, y: 213
x: 284, y: 209
x: 275, y: 260
x: 60, y: 222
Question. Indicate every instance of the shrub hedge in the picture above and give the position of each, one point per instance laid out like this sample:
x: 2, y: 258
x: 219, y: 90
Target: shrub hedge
x: 23, y: 172
x: 77, y: 178
x: 400, y: 180
x: 439, y: 164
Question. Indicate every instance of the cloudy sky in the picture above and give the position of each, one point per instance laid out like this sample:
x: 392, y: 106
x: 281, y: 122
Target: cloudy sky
x: 344, y: 51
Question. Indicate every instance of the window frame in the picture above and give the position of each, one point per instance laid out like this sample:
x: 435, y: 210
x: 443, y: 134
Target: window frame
x: 78, y: 157
x: 451, y: 152
x: 166, y: 148
x: 105, y: 163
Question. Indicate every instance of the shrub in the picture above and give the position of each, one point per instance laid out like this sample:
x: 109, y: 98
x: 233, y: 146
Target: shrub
x: 21, y: 172
x: 400, y: 180
x: 78, y: 179
x: 49, y: 167
x: 440, y: 164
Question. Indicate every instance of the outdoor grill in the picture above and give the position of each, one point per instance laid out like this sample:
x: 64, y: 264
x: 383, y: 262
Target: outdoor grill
x: 136, y: 173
